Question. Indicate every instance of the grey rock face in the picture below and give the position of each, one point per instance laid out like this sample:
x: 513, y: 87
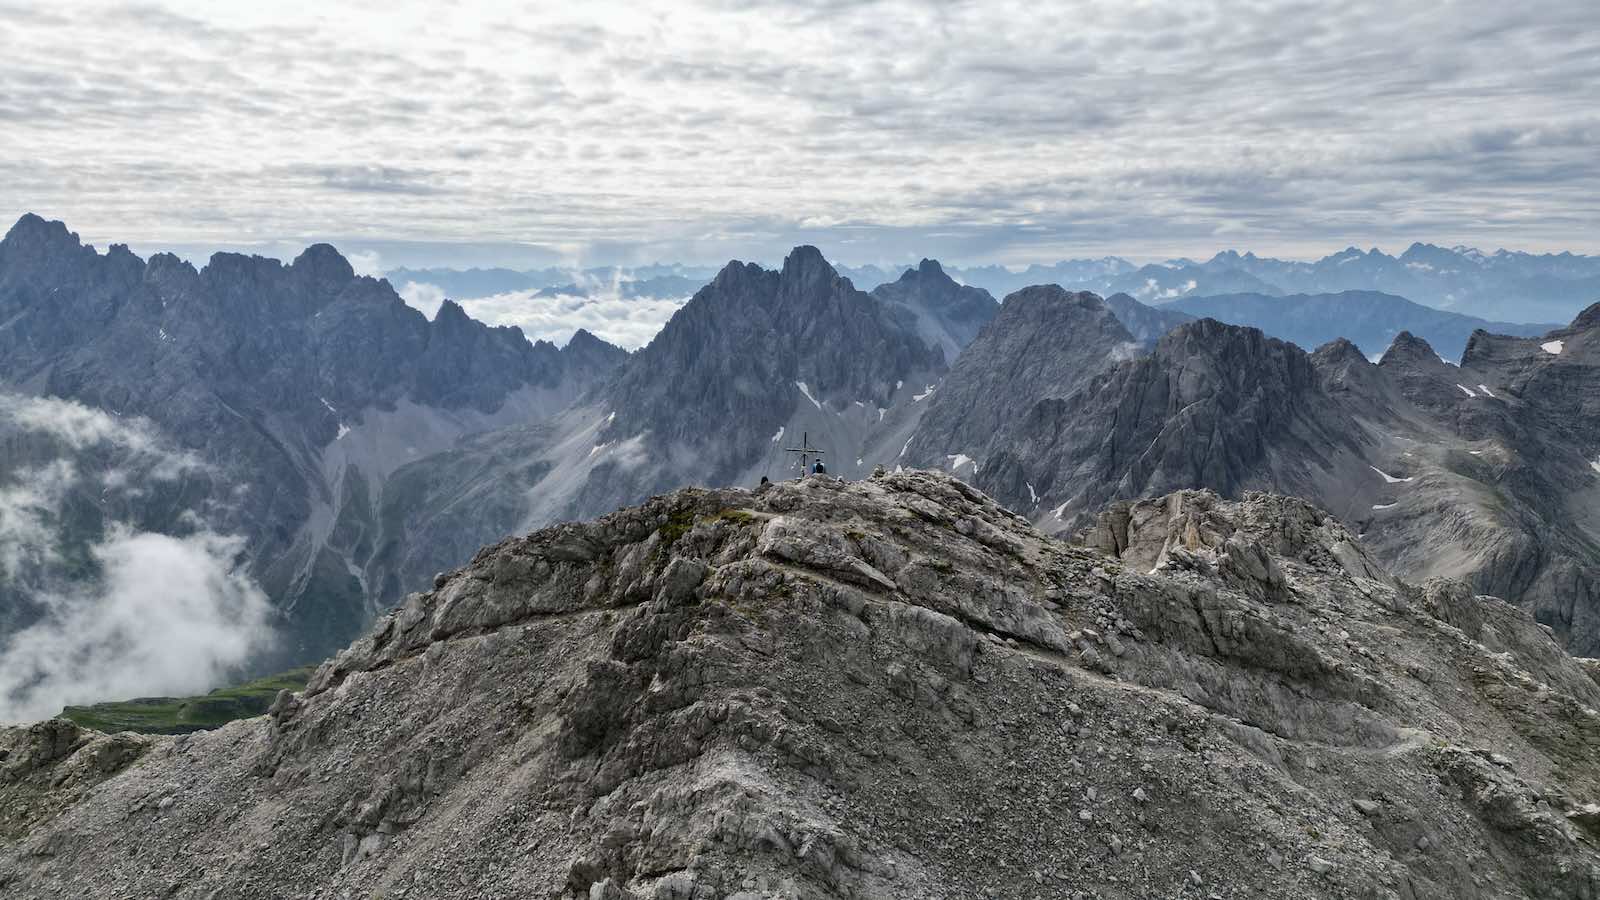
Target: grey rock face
x: 947, y: 315
x: 1485, y: 472
x: 1044, y: 344
x: 48, y: 766
x: 1213, y: 406
x: 1146, y: 323
x: 261, y: 370
x: 725, y: 371
x: 753, y: 363
x: 891, y: 688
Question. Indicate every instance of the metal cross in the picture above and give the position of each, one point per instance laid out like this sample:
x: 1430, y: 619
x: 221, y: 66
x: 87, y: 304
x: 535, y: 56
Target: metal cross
x: 805, y: 449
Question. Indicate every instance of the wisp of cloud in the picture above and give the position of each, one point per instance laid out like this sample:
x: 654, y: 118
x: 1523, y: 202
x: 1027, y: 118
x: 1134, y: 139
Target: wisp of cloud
x: 166, y: 614
x: 169, y: 616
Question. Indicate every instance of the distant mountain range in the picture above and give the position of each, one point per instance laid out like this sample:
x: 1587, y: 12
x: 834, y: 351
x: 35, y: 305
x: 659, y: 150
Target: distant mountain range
x: 1502, y: 286
x: 1369, y: 319
x: 351, y: 448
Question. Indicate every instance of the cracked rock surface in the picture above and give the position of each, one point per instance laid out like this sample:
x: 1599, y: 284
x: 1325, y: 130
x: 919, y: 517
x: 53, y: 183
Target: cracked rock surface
x: 889, y: 688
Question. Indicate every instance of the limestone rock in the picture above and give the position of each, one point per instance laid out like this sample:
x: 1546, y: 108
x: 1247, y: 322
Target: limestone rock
x: 823, y: 690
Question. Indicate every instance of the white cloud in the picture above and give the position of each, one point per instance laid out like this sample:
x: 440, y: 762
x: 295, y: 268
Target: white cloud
x: 163, y: 613
x: 629, y: 323
x: 79, y: 426
x: 27, y: 508
x: 424, y: 297
x: 1030, y: 130
x: 366, y: 262
x: 169, y: 616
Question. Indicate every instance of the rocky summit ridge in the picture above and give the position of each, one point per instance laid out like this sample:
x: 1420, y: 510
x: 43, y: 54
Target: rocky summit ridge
x: 887, y: 688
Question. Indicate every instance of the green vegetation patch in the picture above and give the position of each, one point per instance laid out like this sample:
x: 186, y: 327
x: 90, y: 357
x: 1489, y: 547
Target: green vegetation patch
x: 678, y: 524
x: 181, y: 715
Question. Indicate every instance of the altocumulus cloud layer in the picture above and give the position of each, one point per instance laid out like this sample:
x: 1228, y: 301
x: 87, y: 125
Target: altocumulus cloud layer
x: 702, y: 130
x: 165, y: 613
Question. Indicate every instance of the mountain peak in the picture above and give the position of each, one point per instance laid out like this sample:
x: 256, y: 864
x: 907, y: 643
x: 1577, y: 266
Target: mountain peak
x: 931, y: 268
x: 805, y: 264
x: 1589, y: 318
x: 1054, y: 295
x: 1043, y: 342
x: 324, y: 265
x: 1339, y: 350
x: 451, y: 313
x: 34, y: 234
x: 735, y: 273
x: 584, y: 337
x: 1408, y: 348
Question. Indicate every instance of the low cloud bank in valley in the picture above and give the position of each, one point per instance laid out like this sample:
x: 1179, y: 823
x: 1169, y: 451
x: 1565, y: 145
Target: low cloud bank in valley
x: 161, y: 614
x: 628, y: 322
x: 168, y: 616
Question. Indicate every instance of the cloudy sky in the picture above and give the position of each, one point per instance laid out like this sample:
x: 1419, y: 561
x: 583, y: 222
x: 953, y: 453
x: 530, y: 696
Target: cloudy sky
x: 570, y: 133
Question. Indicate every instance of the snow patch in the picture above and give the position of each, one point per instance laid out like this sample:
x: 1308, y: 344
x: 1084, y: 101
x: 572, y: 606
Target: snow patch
x: 1595, y: 465
x: 611, y: 418
x: 1390, y: 478
x: 1553, y: 348
x: 807, y: 391
x: 1061, y: 511
x: 957, y: 460
x: 1033, y: 496
x: 779, y: 436
x: 1385, y: 505
x: 1486, y: 391
x: 1476, y: 452
x: 598, y: 448
x: 907, y: 446
x: 925, y: 394
x: 1466, y: 390
x: 899, y: 384
x: 881, y: 411
x: 328, y: 405
x: 343, y: 430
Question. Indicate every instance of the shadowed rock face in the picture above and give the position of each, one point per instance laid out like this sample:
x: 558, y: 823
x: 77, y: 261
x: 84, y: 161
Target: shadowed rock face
x: 276, y: 378
x: 1488, y: 471
x: 947, y: 315
x: 889, y: 688
x: 1213, y: 406
x: 1147, y: 324
x: 755, y: 362
x: 725, y: 372
x: 1044, y: 344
